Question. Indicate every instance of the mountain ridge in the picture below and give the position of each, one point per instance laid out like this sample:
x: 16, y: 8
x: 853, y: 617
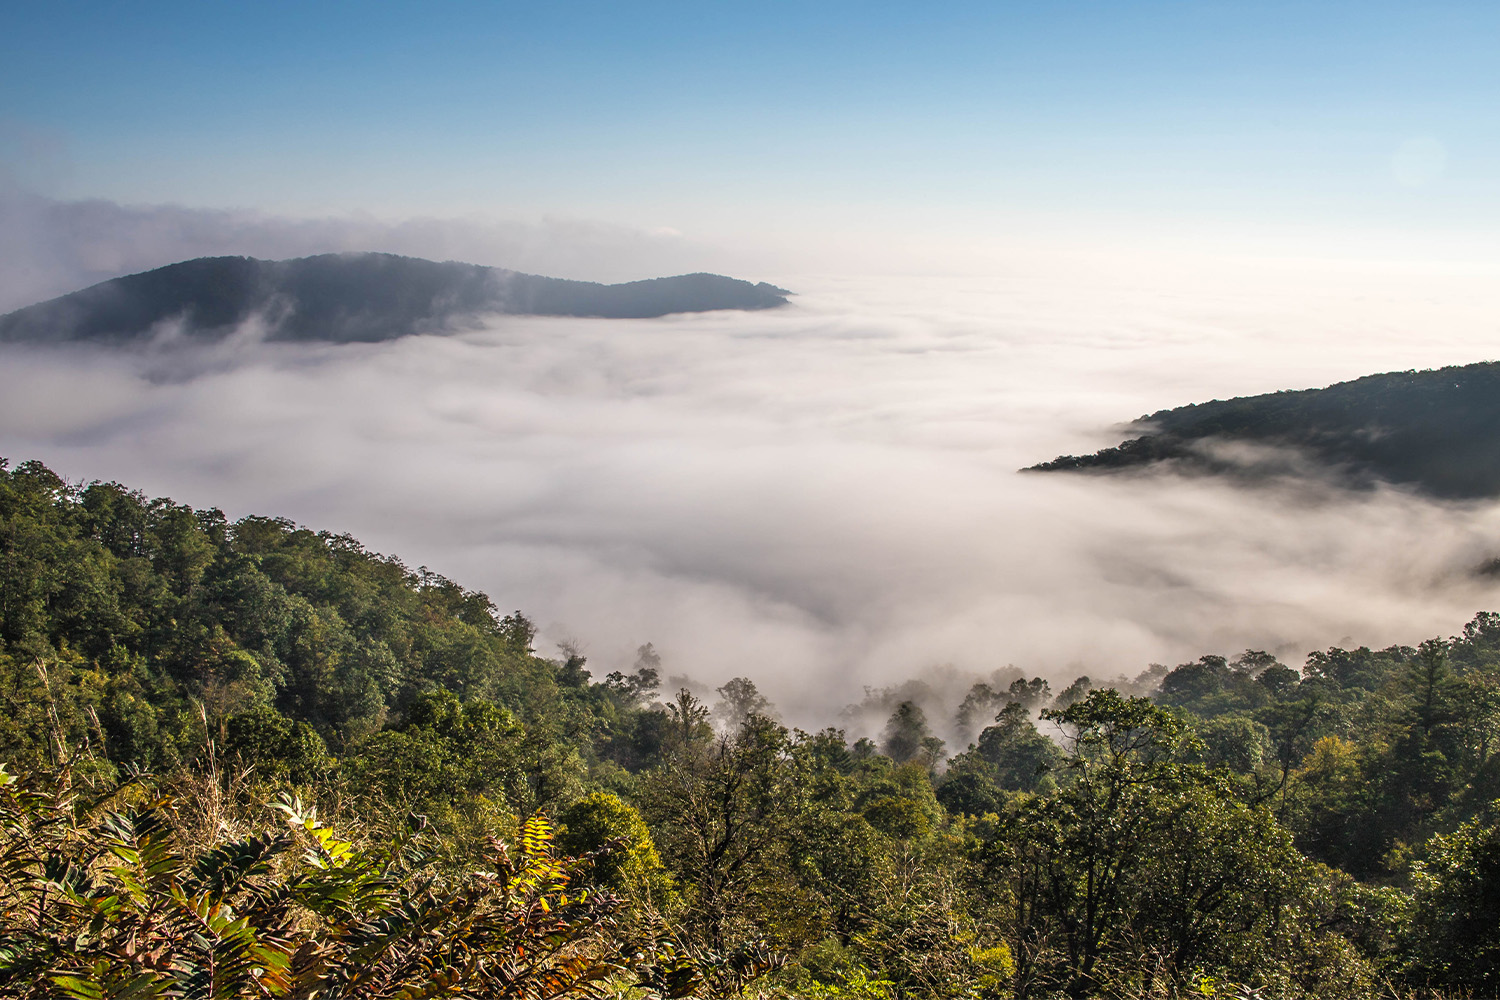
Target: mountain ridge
x: 352, y: 297
x: 1436, y: 431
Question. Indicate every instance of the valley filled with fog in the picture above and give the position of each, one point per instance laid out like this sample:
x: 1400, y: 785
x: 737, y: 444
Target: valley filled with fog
x: 825, y: 497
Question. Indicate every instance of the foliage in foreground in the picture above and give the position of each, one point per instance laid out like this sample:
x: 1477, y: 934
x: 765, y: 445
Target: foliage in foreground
x: 1224, y: 827
x: 102, y: 898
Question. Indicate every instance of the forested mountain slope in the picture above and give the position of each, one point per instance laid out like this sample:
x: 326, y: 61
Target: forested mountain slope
x: 1231, y: 827
x: 352, y: 297
x: 1435, y: 431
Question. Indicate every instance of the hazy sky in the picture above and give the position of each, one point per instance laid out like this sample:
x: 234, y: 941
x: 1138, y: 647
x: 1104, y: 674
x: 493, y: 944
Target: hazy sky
x: 780, y: 122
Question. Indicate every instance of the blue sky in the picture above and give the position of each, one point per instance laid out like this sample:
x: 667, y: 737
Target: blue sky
x: 1343, y: 116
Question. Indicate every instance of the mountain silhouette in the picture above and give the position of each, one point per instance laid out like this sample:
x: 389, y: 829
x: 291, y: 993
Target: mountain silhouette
x: 1436, y: 432
x: 352, y: 297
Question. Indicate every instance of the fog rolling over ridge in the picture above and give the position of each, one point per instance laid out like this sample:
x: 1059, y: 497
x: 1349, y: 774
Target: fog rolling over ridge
x: 351, y: 297
x: 1435, y: 431
x: 50, y: 248
x: 824, y: 497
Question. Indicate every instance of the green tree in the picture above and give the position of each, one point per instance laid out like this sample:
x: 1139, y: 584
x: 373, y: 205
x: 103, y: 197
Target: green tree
x: 739, y: 700
x: 624, y: 858
x: 904, y: 732
x: 1236, y: 742
x: 1141, y: 866
x: 722, y: 811
x: 1455, y: 935
x: 689, y: 720
x: 1019, y: 754
x: 637, y: 687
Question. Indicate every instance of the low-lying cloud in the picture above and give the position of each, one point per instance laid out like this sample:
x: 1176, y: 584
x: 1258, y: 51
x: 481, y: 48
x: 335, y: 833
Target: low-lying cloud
x: 824, y: 497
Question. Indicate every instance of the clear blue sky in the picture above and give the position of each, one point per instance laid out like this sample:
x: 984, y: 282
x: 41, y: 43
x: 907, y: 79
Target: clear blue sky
x: 695, y: 114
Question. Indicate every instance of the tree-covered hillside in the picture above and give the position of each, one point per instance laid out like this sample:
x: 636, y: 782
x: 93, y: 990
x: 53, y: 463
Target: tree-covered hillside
x: 250, y: 759
x: 351, y: 297
x: 1436, y: 431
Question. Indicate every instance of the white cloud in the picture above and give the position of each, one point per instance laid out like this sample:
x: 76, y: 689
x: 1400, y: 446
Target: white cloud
x: 825, y: 497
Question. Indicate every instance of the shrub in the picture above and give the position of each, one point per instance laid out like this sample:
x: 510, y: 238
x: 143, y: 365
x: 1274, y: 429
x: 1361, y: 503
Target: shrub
x: 102, y: 899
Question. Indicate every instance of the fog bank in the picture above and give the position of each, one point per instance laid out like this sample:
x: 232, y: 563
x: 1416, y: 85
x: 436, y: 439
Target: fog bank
x: 825, y: 497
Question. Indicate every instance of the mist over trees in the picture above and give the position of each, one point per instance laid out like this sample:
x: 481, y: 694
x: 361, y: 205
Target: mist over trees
x: 359, y: 778
x: 351, y: 297
x: 1427, y: 430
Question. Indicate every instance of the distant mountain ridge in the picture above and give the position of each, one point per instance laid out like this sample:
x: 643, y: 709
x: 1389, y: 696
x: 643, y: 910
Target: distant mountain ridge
x: 1435, y: 431
x: 353, y: 297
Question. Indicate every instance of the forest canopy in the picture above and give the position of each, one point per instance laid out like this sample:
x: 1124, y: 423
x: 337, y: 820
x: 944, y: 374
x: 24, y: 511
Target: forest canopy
x: 249, y: 758
x: 1433, y: 431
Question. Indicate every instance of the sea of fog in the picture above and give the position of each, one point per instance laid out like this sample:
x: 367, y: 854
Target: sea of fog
x: 825, y: 497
